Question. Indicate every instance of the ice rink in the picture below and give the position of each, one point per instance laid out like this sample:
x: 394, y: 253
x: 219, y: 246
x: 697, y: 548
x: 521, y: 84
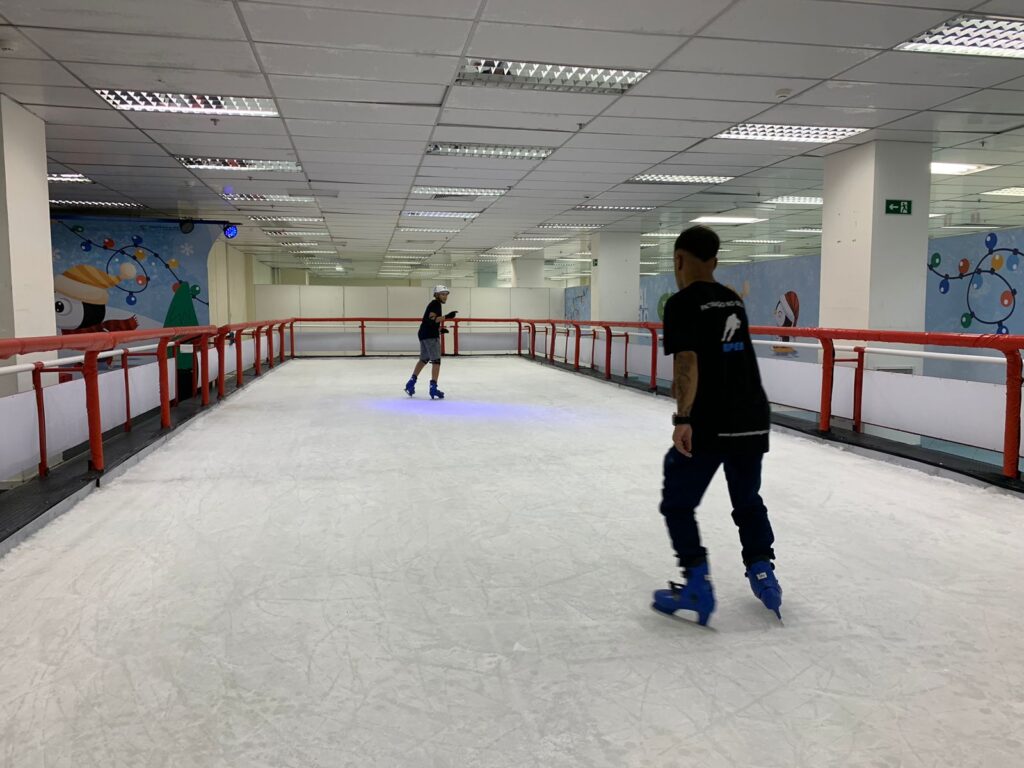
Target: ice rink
x: 324, y: 572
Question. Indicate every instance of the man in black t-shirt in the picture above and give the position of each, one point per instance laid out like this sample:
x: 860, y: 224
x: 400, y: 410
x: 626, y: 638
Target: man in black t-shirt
x: 430, y: 342
x: 722, y: 419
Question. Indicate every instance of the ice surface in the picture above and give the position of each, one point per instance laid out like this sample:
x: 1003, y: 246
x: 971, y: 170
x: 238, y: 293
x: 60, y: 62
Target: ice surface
x: 323, y: 572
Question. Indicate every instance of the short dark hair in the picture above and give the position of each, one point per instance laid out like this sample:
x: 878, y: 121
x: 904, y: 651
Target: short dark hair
x: 701, y: 242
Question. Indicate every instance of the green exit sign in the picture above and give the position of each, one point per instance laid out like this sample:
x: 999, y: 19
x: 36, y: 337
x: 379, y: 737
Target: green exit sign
x: 898, y: 207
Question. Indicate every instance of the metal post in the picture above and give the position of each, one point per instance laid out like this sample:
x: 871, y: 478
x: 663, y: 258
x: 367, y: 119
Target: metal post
x: 90, y: 372
x: 37, y: 385
x: 828, y: 367
x: 1011, y: 439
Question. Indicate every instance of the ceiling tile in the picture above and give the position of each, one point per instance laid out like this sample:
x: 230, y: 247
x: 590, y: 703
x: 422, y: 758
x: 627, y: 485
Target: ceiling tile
x: 171, y: 79
x: 104, y: 147
x: 958, y: 121
x: 655, y: 127
x: 594, y: 156
x: 340, y: 89
x: 614, y: 141
x: 94, y: 133
x: 34, y: 72
x: 318, y: 143
x: 542, y: 102
x: 225, y: 125
x: 677, y: 17
x: 350, y: 111
x: 70, y: 45
x: 354, y: 29
x: 845, y: 93
x: 571, y: 46
x: 73, y: 116
x: 1000, y: 102
x: 934, y: 69
x: 52, y: 95
x: 456, y: 9
x: 21, y: 46
x: 331, y: 129
x: 684, y: 109
x: 494, y: 119
x: 365, y: 65
x: 826, y: 23
x: 223, y: 141
x: 504, y: 136
x: 182, y: 18
x: 701, y: 85
x: 794, y: 114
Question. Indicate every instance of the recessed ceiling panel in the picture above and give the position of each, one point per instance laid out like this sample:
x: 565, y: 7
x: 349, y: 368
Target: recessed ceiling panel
x: 743, y: 57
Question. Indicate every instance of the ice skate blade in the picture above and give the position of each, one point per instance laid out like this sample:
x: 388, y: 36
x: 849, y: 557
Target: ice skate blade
x: 675, y: 617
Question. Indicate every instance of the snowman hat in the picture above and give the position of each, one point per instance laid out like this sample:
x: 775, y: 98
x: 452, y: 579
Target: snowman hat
x: 790, y: 304
x: 85, y: 283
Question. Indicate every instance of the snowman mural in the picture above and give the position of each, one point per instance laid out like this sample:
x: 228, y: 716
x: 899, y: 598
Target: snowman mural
x: 80, y: 297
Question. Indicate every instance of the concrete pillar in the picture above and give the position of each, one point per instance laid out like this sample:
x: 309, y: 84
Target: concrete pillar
x: 873, y: 261
x: 26, y: 259
x: 615, y: 276
x: 528, y: 272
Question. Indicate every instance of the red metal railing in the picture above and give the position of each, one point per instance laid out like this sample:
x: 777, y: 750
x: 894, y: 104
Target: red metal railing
x: 93, y: 344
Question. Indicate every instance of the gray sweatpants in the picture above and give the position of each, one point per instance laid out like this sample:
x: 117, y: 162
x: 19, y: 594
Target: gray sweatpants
x: 430, y: 350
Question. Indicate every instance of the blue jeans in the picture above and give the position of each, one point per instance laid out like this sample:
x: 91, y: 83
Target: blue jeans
x: 686, y: 480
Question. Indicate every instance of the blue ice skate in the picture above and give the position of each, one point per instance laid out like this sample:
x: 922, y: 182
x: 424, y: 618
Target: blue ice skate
x: 696, y: 595
x: 410, y: 387
x: 765, y: 586
x: 435, y: 392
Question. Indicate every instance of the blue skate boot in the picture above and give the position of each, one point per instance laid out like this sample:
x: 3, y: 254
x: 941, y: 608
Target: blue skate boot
x: 410, y: 387
x: 765, y: 586
x: 435, y: 392
x: 695, y: 595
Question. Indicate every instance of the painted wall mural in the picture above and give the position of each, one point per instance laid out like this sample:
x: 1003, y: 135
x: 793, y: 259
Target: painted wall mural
x: 127, y: 274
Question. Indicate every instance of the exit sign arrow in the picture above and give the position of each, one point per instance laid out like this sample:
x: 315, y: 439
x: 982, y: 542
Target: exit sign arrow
x: 898, y: 207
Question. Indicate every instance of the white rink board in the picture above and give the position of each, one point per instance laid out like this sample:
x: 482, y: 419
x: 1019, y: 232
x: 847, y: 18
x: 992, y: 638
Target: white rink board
x: 350, y: 577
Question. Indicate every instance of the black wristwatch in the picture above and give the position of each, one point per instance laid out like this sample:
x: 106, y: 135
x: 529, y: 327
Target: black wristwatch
x: 679, y: 421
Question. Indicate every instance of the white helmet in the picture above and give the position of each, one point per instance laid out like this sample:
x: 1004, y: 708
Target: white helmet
x: 441, y: 289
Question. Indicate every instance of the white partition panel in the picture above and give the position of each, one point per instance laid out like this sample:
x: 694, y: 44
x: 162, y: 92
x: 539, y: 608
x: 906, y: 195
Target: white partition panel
x: 320, y: 301
x: 492, y: 302
x: 274, y: 302
x: 530, y: 302
x: 406, y: 302
x: 366, y: 302
x: 556, y: 303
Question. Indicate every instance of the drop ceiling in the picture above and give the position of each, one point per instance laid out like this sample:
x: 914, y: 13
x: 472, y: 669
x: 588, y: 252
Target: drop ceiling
x: 363, y: 87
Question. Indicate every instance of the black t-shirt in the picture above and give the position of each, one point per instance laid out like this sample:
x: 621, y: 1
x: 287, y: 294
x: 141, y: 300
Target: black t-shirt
x: 731, y: 412
x: 429, y: 329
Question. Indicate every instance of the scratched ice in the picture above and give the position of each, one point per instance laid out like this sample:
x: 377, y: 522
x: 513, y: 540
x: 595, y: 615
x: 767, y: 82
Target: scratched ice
x: 323, y: 572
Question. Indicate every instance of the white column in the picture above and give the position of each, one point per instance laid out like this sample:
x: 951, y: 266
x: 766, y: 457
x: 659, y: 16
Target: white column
x: 873, y: 262
x: 528, y: 272
x: 615, y: 276
x: 26, y: 260
x: 487, y: 275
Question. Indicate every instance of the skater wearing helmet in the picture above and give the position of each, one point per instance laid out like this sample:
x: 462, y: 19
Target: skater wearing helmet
x: 722, y: 419
x: 430, y: 342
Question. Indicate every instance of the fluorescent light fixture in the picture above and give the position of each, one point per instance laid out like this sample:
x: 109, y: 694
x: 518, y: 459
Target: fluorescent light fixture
x: 538, y: 239
x: 614, y: 208
x: 290, y: 219
x: 402, y: 263
x: 238, y: 164
x: 535, y: 76
x: 443, y: 214
x: 1005, y: 192
x: 648, y: 263
x: 796, y: 200
x: 770, y: 256
x: 570, y: 226
x: 249, y: 198
x: 93, y: 204
x: 313, y: 253
x: 650, y: 274
x: 583, y: 253
x: 939, y: 215
x: 459, y: 191
x: 566, y: 258
x: 973, y: 35
x: 301, y: 245
x: 188, y: 103
x: 670, y: 178
x: 959, y: 169
x: 411, y: 250
x: 512, y: 251
x: 734, y: 261
x: 294, y: 233
x: 971, y: 226
x: 339, y: 269
x: 805, y: 231
x: 811, y: 134
x: 662, y: 234
x: 727, y: 220
x: 494, y: 151
x: 68, y: 178
x: 650, y: 245
x: 758, y: 241
x: 435, y: 231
